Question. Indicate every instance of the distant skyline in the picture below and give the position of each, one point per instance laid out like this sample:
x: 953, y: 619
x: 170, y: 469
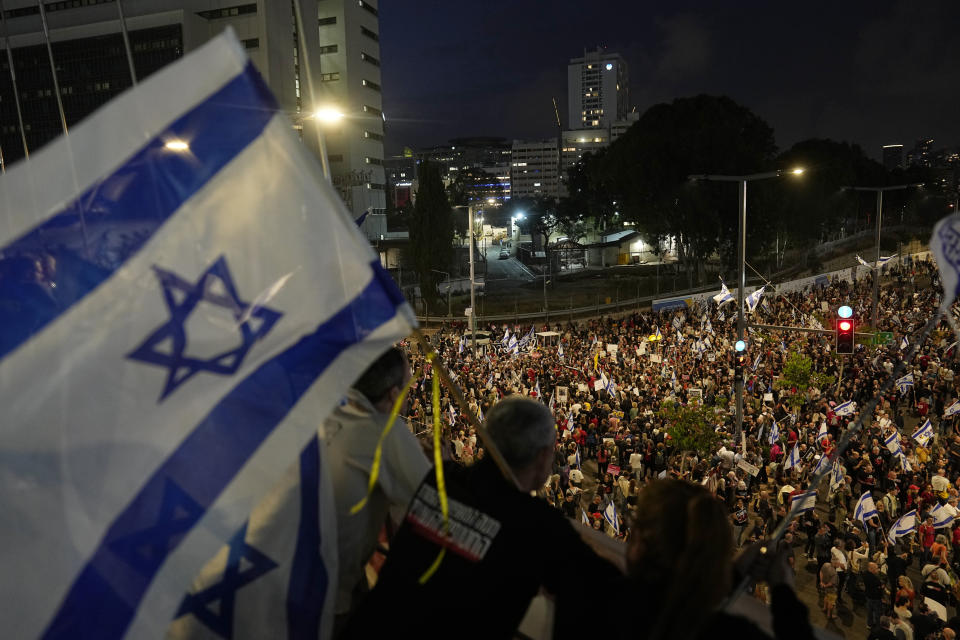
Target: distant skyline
x: 869, y: 73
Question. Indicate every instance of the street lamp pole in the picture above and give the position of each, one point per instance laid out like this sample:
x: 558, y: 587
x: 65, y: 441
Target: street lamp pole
x: 876, y: 264
x: 742, y: 276
x: 473, y: 299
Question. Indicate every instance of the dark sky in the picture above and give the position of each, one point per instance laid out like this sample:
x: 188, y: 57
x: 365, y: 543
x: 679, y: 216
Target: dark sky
x: 872, y: 73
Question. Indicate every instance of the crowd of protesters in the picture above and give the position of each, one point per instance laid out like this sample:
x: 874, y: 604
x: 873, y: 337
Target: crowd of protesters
x: 608, y: 383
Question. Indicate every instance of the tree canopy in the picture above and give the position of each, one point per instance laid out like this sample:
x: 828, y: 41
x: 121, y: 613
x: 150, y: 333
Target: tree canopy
x: 431, y: 230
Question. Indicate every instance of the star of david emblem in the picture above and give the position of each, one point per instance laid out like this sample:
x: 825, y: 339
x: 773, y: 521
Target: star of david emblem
x: 168, y: 345
x: 214, y: 605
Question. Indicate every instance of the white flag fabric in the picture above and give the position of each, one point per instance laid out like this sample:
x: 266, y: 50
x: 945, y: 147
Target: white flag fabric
x: 865, y: 508
x: 904, y: 525
x: 952, y: 410
x: 945, y: 246
x: 512, y: 345
x: 610, y: 515
x: 845, y: 409
x: 774, y: 433
x: 754, y: 298
x: 885, y: 259
x: 864, y: 262
x: 904, y: 344
x: 794, y: 458
x: 806, y: 501
x: 924, y: 433
x: 943, y: 515
x: 905, y: 383
x: 205, y: 301
x: 724, y: 296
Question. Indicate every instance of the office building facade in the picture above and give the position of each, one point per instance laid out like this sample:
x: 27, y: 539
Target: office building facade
x: 893, y: 156
x: 597, y: 90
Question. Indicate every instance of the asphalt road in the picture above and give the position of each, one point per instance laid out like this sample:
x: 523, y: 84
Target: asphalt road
x: 504, y: 274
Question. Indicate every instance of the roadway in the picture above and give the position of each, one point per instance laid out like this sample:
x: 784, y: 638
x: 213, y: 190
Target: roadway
x: 503, y: 274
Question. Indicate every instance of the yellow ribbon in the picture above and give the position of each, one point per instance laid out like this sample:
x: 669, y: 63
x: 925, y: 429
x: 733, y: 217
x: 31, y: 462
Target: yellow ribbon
x: 438, y: 466
x: 378, y: 452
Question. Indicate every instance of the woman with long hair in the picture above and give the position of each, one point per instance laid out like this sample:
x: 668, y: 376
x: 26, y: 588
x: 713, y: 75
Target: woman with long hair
x: 680, y: 563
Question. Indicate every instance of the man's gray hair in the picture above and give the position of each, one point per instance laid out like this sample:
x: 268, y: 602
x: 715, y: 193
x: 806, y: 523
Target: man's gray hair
x: 521, y: 428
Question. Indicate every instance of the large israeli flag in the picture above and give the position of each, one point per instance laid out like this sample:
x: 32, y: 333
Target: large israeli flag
x: 865, y: 508
x: 845, y: 409
x: 924, y: 433
x: 905, y: 383
x: 724, y: 296
x: 806, y: 501
x: 904, y: 525
x: 952, y: 410
x: 752, y: 299
x: 191, y: 299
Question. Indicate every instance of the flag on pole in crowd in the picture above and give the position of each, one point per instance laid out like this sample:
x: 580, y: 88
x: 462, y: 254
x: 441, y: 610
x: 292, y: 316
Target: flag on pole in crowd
x: 601, y: 383
x: 513, y: 347
x: 657, y: 334
x: 865, y: 508
x: 610, y: 515
x: 904, y: 525
x: 724, y: 296
x: 506, y: 337
x: 709, y: 327
x: 576, y: 458
x: 584, y: 518
x: 461, y: 347
x: 552, y: 404
x: 536, y: 390
x: 754, y: 298
x: 892, y: 442
x: 610, y: 387
x: 885, y: 259
x: 722, y: 317
x: 490, y: 382
x: 864, y: 262
x: 756, y: 363
x: 845, y: 409
x: 924, y: 433
x: 822, y: 461
x: 836, y: 475
x: 570, y: 422
x: 905, y: 383
x: 215, y: 474
x: 953, y: 409
x: 679, y: 337
x: 803, y: 502
x: 904, y: 345
x: 943, y: 515
x: 822, y: 434
x: 452, y: 411
x: 560, y: 351
x: 479, y: 413
x: 774, y: 433
x: 794, y: 458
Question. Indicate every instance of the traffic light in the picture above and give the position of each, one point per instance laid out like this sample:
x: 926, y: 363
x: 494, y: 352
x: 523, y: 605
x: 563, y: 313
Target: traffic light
x: 739, y: 358
x: 846, y: 328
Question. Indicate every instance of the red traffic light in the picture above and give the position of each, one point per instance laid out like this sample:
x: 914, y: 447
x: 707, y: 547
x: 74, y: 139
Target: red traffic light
x: 844, y: 325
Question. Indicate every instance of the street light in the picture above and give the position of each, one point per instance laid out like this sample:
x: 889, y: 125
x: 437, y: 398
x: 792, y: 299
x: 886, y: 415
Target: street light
x: 327, y: 115
x: 742, y: 250
x: 876, y: 265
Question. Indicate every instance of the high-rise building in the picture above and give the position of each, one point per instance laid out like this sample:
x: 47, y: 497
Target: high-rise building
x: 351, y: 83
x: 597, y: 90
x: 480, y: 164
x: 893, y: 156
x: 91, y: 60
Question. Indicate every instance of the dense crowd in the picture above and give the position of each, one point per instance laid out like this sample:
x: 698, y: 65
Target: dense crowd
x: 607, y: 383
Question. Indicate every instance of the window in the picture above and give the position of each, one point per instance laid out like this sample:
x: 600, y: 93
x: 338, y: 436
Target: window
x: 368, y: 109
x: 370, y: 34
x: 371, y: 135
x: 367, y: 7
x: 374, y: 161
x: 376, y: 185
x: 371, y: 85
x: 330, y: 77
x: 335, y: 157
x: 251, y: 43
x: 326, y: 21
x: 366, y: 57
x: 228, y: 12
x: 330, y: 48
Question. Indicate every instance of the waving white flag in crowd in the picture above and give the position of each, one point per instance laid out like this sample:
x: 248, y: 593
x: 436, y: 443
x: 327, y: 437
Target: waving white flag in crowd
x: 181, y: 376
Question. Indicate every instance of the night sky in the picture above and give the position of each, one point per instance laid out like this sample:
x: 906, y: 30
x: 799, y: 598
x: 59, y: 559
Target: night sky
x: 871, y: 73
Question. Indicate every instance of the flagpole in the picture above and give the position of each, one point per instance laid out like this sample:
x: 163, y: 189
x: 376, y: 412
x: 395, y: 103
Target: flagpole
x: 13, y: 79
x: 53, y: 66
x: 126, y: 42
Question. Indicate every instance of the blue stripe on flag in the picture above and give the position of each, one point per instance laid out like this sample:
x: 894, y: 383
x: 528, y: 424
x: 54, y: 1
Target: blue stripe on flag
x: 145, y: 190
x: 308, y: 576
x: 104, y: 598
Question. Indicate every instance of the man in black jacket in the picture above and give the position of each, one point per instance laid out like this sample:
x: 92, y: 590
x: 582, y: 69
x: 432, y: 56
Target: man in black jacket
x: 501, y: 548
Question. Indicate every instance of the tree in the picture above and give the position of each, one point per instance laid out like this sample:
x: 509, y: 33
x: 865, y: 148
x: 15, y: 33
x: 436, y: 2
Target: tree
x: 647, y: 170
x: 588, y: 197
x: 539, y: 218
x: 691, y: 427
x: 431, y: 230
x: 799, y: 377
